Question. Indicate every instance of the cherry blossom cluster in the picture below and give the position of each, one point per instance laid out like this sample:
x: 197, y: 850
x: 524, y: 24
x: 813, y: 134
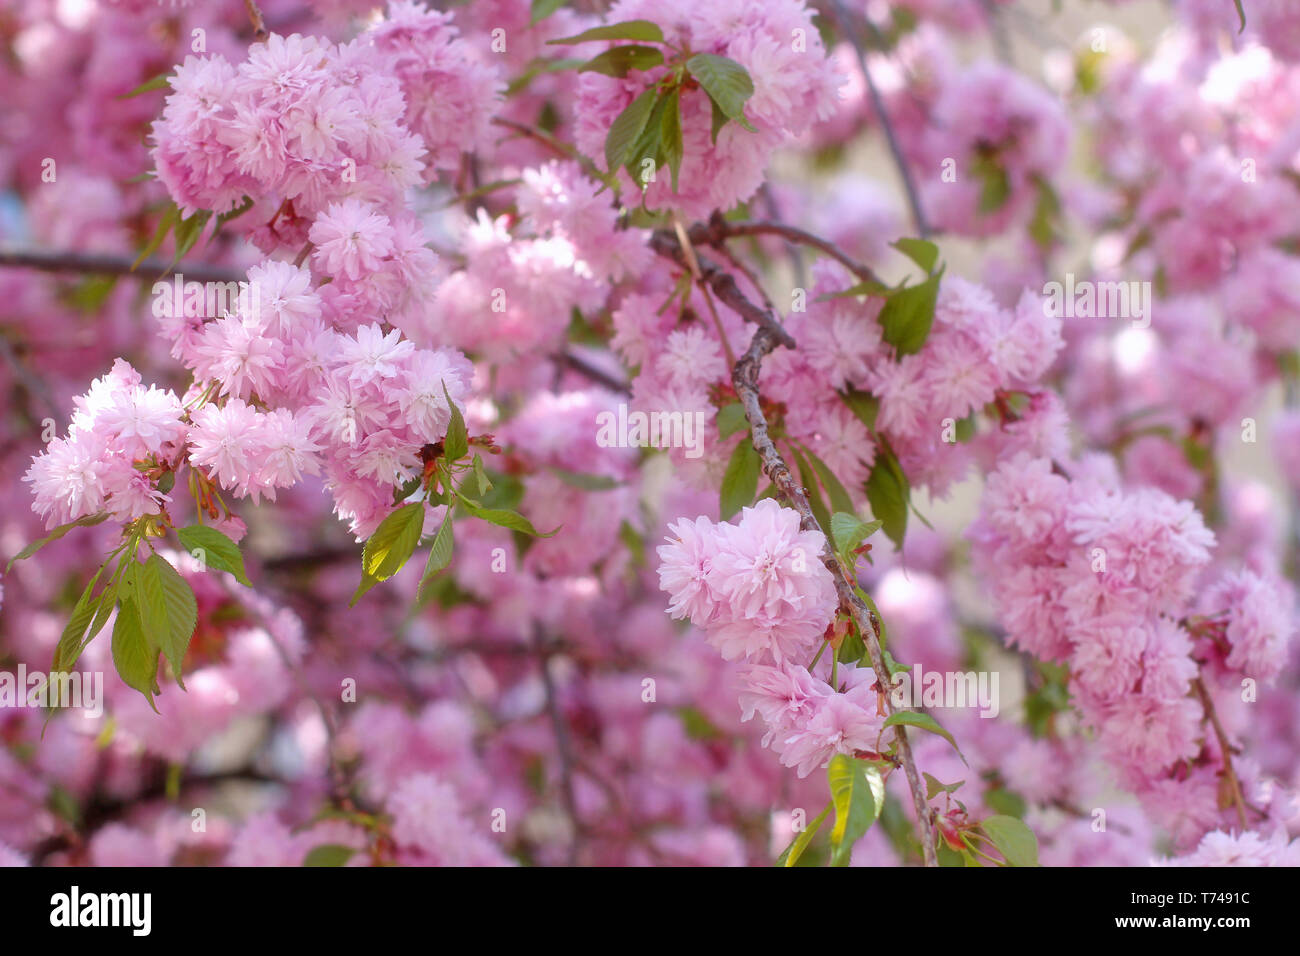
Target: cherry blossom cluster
x: 761, y: 594
x: 1105, y: 579
x: 423, y: 207
x: 525, y: 274
x: 779, y: 46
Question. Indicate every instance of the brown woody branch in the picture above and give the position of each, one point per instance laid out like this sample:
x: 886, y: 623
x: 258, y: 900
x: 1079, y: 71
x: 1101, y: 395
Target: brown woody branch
x: 1229, y: 774
x: 848, y: 27
x: 89, y: 263
x: 744, y: 377
x: 562, y: 744
x: 255, y: 16
x: 724, y: 287
x: 718, y: 229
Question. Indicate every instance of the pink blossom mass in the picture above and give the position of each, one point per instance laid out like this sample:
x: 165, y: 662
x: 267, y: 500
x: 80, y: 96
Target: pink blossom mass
x: 523, y: 433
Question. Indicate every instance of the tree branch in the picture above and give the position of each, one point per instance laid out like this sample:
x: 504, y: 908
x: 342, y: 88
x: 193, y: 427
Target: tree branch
x: 150, y: 270
x: 744, y: 377
x: 255, y: 16
x: 562, y: 744
x: 592, y: 372
x: 719, y: 229
x: 724, y: 287
x: 1237, y: 799
x: 878, y: 104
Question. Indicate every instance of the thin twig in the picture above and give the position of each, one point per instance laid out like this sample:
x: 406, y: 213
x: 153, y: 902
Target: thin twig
x: 693, y: 263
x: 739, y: 265
x: 744, y: 377
x: 724, y: 287
x: 1001, y: 42
x: 791, y: 248
x: 259, y: 24
x: 89, y: 263
x: 878, y: 104
x: 719, y: 229
x: 592, y: 372
x: 34, y: 385
x: 561, y: 743
x: 1238, y: 800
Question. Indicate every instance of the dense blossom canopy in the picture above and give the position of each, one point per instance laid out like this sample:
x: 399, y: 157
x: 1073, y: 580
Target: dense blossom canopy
x: 736, y: 408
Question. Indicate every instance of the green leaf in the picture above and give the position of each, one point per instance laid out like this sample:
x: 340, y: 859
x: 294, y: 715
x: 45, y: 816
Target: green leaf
x: 187, y: 232
x: 169, y: 219
x: 912, y: 718
x: 888, y: 493
x: 135, y: 660
x: 717, y: 121
x: 406, y: 489
x: 697, y: 725
x: 907, y: 315
x: 225, y: 217
x: 731, y: 419
x: 1015, y: 841
x: 627, y: 128
x: 892, y: 667
x: 727, y: 83
x: 848, y: 531
x: 54, y: 535
x: 995, y: 185
x: 158, y: 82
x: 74, y: 638
x: 586, y: 482
x: 852, y: 649
x: 456, y: 442
x: 480, y: 476
x: 504, y: 518
x: 933, y: 787
x: 541, y: 9
x: 439, y: 552
x: 627, y: 30
x: 632, y: 540
x: 390, y: 547
x: 180, y: 612
x: 235, y: 212
x: 671, y: 134
x: 867, y: 287
x: 921, y: 251
x: 214, y: 550
x: 740, y: 481
x: 964, y: 429
x: 837, y: 493
x: 1044, y: 227
x: 794, y: 851
x: 857, y: 793
x: 328, y: 854
x: 1005, y: 801
x: 862, y: 404
x: 649, y: 145
x: 90, y: 294
x: 143, y: 586
x: 947, y: 856
x: 617, y: 61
